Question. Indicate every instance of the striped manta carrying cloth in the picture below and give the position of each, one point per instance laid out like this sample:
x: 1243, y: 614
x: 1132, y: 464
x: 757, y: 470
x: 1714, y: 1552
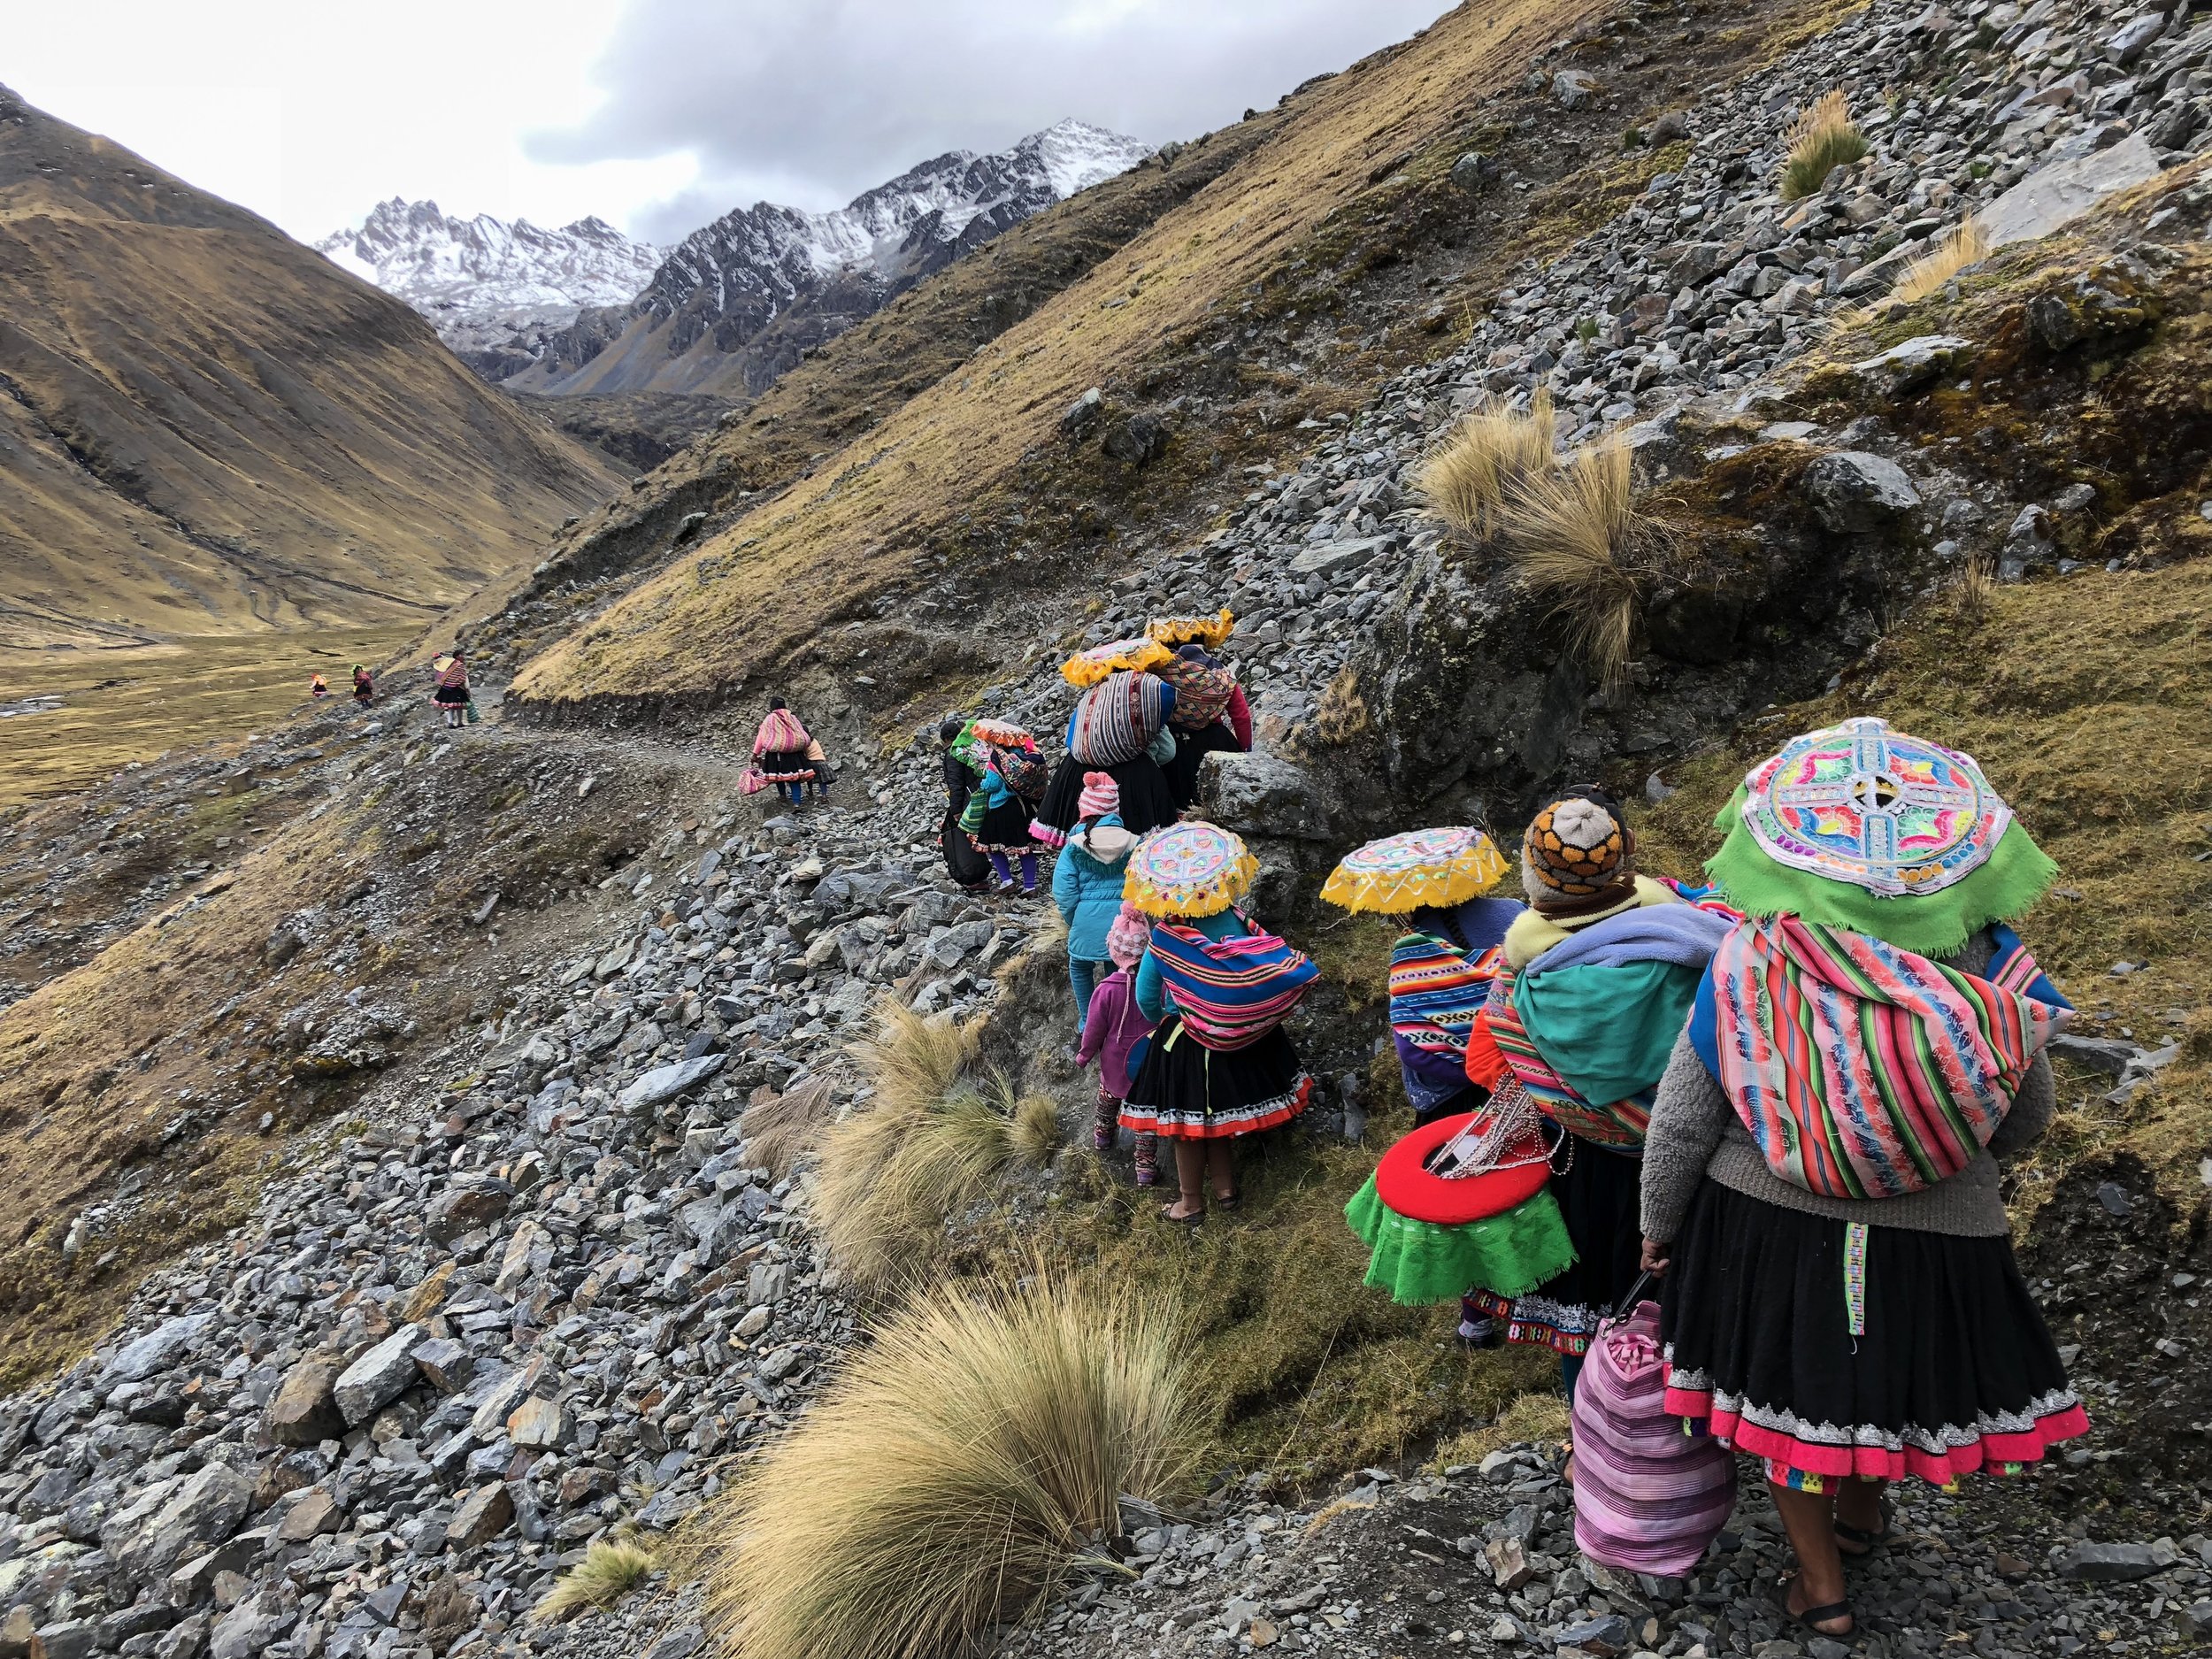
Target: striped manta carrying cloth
x: 1436, y: 990
x: 1863, y: 1070
x: 1620, y: 1125
x: 1230, y: 992
x: 1116, y: 719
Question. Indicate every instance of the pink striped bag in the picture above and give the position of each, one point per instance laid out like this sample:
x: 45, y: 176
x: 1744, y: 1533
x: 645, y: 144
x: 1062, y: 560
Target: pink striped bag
x: 1648, y: 1497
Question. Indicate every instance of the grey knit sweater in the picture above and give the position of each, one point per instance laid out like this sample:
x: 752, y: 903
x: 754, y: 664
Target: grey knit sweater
x: 1696, y: 1135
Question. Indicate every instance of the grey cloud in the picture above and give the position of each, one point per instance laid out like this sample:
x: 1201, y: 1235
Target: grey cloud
x: 811, y: 103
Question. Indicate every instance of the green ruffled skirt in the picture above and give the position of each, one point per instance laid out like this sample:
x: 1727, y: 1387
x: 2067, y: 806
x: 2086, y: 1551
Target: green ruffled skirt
x: 1421, y: 1262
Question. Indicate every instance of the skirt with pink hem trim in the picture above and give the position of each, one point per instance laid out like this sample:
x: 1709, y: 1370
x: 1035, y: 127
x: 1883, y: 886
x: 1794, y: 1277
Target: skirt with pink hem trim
x: 1832, y: 1350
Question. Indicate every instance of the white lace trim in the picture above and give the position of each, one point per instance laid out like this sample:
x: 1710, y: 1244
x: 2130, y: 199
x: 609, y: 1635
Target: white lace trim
x: 1950, y: 1437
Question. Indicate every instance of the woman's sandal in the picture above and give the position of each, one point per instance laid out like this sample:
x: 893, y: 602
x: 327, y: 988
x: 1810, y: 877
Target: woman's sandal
x: 1227, y: 1201
x: 1813, y: 1617
x: 1196, y: 1218
x: 1866, y: 1543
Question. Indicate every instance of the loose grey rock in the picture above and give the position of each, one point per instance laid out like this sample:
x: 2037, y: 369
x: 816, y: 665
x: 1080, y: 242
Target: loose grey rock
x: 2108, y: 1563
x: 379, y: 1377
x: 1852, y: 490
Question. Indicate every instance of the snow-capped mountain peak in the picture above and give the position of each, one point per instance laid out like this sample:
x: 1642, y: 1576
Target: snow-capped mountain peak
x: 481, y: 281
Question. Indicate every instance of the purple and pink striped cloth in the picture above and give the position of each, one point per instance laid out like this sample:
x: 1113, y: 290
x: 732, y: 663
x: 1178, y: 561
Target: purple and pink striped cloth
x: 1649, y: 1497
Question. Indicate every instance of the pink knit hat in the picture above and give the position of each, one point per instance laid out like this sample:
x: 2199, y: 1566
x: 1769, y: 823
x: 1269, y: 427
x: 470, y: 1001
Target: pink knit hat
x: 1129, y: 935
x: 1100, y: 796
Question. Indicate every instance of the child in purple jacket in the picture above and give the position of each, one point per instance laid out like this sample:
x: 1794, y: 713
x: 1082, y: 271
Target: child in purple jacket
x: 1111, y: 1026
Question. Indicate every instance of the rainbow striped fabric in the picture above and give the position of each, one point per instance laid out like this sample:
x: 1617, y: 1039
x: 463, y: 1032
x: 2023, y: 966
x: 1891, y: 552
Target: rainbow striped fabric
x: 1230, y: 992
x: 1620, y: 1124
x: 1436, y: 990
x: 1863, y: 1070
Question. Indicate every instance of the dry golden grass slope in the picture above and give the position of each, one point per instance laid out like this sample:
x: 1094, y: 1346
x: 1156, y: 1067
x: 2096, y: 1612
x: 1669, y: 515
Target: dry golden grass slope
x: 866, y: 519
x: 207, y: 428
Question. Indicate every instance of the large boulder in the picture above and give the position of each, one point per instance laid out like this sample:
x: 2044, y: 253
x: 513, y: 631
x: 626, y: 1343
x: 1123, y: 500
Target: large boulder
x: 466, y: 1206
x: 1263, y: 795
x: 2053, y: 197
x: 203, y: 1509
x: 158, y: 1349
x: 1852, y: 490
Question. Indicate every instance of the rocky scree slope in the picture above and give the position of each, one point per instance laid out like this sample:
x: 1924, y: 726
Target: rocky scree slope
x: 736, y: 304
x: 493, y: 291
x: 206, y: 428
x: 541, y: 1287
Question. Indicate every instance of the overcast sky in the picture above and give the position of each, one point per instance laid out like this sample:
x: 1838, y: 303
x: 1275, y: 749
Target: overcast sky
x: 657, y: 115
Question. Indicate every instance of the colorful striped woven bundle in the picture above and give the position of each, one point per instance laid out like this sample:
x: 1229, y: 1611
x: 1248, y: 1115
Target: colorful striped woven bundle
x: 1648, y: 1498
x: 1621, y: 1123
x: 1202, y: 694
x: 1436, y: 990
x: 1118, y: 716
x: 1230, y: 992
x: 1863, y: 1070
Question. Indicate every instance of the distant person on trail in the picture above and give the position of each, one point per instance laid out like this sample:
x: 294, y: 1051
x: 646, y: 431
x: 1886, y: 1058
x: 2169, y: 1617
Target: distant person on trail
x: 1113, y: 1025
x: 823, y: 776
x: 318, y: 687
x: 452, y: 694
x: 779, y: 749
x: 969, y: 868
x: 364, y: 686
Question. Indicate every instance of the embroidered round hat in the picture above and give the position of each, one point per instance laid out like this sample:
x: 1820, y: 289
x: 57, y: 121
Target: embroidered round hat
x: 1576, y: 849
x: 1449, y: 864
x: 1863, y: 826
x: 1191, y: 869
x: 1100, y: 796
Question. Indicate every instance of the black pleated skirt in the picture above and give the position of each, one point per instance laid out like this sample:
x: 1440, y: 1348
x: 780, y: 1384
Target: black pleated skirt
x: 967, y: 867
x: 1599, y: 1195
x: 1191, y: 749
x: 1186, y: 1091
x: 1951, y: 1368
x: 1146, y: 801
x: 1006, y: 828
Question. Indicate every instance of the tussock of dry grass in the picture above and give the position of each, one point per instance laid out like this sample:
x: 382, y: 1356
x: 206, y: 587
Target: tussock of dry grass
x: 782, y: 1131
x: 1033, y: 1129
x: 609, y: 1571
x: 926, y: 1145
x: 943, y: 1484
x: 1966, y: 244
x: 1580, y: 541
x: 1473, y: 475
x: 1823, y: 140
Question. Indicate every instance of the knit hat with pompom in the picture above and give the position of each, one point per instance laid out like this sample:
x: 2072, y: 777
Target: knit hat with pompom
x: 1128, y: 936
x: 1100, y: 796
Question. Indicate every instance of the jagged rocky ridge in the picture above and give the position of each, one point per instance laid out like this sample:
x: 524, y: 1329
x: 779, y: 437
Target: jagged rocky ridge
x: 1327, y: 570
x: 704, y: 321
x: 493, y: 291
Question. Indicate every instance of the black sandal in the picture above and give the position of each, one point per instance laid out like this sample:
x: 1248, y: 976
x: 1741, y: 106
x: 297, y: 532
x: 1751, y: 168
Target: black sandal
x: 1196, y: 1219
x: 1813, y: 1617
x: 1867, y: 1543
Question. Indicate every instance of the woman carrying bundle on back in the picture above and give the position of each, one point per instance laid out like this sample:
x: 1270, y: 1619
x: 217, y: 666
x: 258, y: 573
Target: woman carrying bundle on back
x: 779, y: 751
x: 1212, y: 714
x: 1010, y: 772
x: 1596, y: 985
x: 1822, y: 1178
x: 1119, y: 725
x: 1220, y: 1065
x: 452, y: 692
x: 968, y: 868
